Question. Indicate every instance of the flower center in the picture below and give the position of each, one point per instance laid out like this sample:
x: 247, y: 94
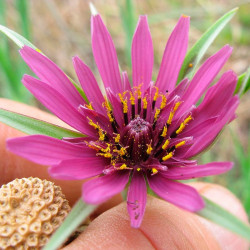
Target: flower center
x: 136, y: 137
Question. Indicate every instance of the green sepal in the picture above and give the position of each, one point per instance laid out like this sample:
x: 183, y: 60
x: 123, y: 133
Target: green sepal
x: 196, y: 53
x: 34, y: 126
x: 243, y: 83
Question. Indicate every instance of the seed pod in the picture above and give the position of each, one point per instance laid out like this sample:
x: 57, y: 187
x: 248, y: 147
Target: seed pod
x: 30, y: 211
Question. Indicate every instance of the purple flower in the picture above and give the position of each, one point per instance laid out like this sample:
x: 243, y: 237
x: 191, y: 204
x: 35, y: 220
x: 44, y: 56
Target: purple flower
x: 146, y: 133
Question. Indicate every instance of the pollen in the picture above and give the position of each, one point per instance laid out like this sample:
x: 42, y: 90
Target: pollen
x: 183, y: 124
x: 149, y: 149
x: 89, y: 106
x: 138, y: 169
x: 157, y: 112
x: 163, y: 102
x: 164, y: 132
x: 190, y: 65
x: 180, y: 144
x: 117, y: 138
x: 154, y: 171
x: 123, y: 166
x: 156, y: 94
x: 165, y: 145
x: 145, y: 103
x: 168, y: 156
x: 132, y: 98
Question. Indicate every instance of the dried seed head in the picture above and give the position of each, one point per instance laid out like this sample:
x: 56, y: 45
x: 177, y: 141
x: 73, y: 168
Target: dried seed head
x: 30, y: 211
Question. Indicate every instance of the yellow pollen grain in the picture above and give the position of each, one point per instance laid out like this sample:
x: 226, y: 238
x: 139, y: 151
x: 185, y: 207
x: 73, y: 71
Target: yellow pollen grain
x: 165, y: 145
x: 168, y: 156
x: 164, y: 132
x: 122, y: 151
x: 38, y: 50
x: 107, y: 149
x: 190, y: 65
x: 180, y: 144
x: 138, y: 169
x: 91, y: 123
x: 89, y: 106
x: 154, y: 170
x: 157, y: 112
x: 183, y: 125
x: 145, y: 103
x: 117, y: 138
x: 156, y: 94
x: 106, y: 155
x: 149, y: 149
x: 125, y: 106
x: 132, y: 98
x: 163, y: 102
x: 170, y: 118
x: 123, y: 166
x: 101, y: 134
x: 176, y: 106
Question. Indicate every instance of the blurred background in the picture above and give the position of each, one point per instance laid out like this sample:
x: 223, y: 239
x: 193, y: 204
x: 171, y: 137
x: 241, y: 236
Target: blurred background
x: 61, y: 29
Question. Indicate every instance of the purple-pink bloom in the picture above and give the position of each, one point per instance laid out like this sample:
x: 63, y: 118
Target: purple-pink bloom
x: 144, y: 133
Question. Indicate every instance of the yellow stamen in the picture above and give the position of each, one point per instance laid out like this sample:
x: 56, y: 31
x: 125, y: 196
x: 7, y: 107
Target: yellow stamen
x: 163, y: 102
x: 165, y: 145
x: 154, y: 170
x: 149, y: 149
x: 107, y: 149
x: 123, y: 166
x: 156, y: 94
x: 170, y: 118
x: 157, y: 112
x: 106, y: 155
x: 164, y: 132
x: 89, y: 106
x: 180, y: 144
x: 94, y: 125
x: 145, y: 103
x: 176, y: 106
x: 101, y: 134
x: 117, y: 138
x: 168, y: 156
x: 183, y: 124
x: 132, y: 98
x: 122, y: 151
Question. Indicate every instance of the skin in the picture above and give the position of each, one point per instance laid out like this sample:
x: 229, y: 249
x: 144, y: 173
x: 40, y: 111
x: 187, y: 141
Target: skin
x: 164, y: 226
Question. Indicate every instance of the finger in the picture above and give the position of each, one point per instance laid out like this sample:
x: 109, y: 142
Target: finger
x: 164, y: 227
x: 227, y: 200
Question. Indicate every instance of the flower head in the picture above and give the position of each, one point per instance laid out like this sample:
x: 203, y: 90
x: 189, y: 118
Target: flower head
x: 145, y: 132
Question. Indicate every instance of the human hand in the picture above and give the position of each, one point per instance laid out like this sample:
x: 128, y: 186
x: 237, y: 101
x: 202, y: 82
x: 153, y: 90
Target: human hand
x: 164, y: 226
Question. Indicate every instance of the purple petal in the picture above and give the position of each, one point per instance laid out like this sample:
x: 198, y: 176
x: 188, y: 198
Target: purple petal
x: 57, y: 104
x: 177, y: 193
x: 89, y: 84
x: 208, y: 137
x: 204, y: 76
x: 125, y: 81
x: 142, y: 54
x: 78, y: 169
x: 137, y: 197
x: 217, y: 97
x: 102, y: 188
x: 185, y: 173
x: 105, y: 55
x: 46, y: 150
x: 173, y: 56
x: 49, y: 72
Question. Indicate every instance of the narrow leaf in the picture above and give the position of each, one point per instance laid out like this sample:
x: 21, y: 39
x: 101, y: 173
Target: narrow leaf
x: 33, y: 126
x: 77, y: 215
x: 19, y: 40
x: 222, y: 217
x: 196, y: 53
x: 243, y: 83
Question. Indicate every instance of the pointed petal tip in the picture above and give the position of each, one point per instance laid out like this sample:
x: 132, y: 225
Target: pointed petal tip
x: 93, y: 9
x: 185, y: 16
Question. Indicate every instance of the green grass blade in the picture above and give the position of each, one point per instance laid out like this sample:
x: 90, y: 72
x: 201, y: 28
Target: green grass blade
x: 22, y: 6
x: 222, y: 217
x: 74, y: 219
x: 243, y: 83
x: 196, y: 53
x: 128, y: 17
x: 33, y: 126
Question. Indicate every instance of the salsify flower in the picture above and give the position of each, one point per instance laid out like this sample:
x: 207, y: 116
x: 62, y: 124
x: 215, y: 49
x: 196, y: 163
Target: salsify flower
x: 144, y: 133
